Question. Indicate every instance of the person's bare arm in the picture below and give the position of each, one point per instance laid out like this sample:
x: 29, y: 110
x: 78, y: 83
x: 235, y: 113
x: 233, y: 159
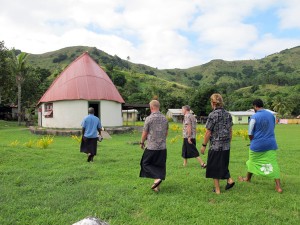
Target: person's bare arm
x: 250, y: 129
x: 143, y: 139
x: 205, y: 141
x: 189, y: 133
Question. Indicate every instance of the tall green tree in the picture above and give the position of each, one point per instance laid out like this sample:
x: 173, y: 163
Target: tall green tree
x: 35, y: 79
x: 5, y: 73
x: 18, y: 65
x: 282, y: 106
x: 200, y: 100
x: 119, y: 79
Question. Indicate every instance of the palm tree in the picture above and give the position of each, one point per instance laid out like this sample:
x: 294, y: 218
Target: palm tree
x: 282, y: 106
x: 18, y: 66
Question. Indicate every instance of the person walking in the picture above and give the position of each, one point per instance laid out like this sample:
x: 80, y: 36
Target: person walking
x: 219, y: 134
x: 91, y: 125
x: 262, y: 153
x: 189, y: 149
x: 155, y: 131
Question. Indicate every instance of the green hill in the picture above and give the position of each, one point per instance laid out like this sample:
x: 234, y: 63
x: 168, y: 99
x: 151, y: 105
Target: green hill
x: 137, y: 83
x: 239, y: 81
x: 280, y: 68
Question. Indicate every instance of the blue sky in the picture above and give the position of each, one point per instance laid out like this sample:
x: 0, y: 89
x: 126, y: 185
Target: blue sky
x: 158, y: 33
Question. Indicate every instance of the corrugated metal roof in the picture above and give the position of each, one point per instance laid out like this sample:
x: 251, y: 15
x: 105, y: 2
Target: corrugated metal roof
x: 249, y: 112
x: 82, y: 79
x: 129, y: 111
x: 241, y: 113
x: 178, y: 111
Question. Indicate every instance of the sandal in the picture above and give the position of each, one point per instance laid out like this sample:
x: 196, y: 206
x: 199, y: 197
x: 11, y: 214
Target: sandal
x: 155, y: 185
x: 243, y: 179
x: 203, y: 165
x: 228, y: 185
x: 214, y: 190
x: 156, y: 189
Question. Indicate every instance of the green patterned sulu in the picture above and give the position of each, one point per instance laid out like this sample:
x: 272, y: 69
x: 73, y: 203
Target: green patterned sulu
x: 264, y: 164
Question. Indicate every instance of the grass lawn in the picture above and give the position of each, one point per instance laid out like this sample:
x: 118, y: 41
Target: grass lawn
x: 57, y: 186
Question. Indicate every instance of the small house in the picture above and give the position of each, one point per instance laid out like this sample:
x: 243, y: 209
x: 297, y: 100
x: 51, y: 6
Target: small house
x: 130, y: 115
x: 243, y: 117
x: 176, y: 115
x: 81, y: 85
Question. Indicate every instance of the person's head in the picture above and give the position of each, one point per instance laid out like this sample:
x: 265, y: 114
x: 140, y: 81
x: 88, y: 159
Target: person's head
x: 91, y: 110
x: 257, y: 104
x: 186, y: 109
x: 154, y: 105
x: 216, y: 101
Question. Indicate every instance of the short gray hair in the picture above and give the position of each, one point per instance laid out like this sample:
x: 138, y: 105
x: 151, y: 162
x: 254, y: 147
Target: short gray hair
x: 186, y: 107
x: 155, y: 104
x: 91, y: 110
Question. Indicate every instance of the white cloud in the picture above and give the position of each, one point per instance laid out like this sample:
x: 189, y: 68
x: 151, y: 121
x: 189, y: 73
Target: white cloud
x: 152, y: 32
x: 157, y: 14
x: 270, y: 44
x: 289, y: 14
x: 220, y: 25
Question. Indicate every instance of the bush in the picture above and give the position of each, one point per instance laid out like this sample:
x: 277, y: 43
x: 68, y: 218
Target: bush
x: 169, y: 119
x: 44, y: 142
x: 60, y: 58
x: 76, y: 138
x: 14, y: 143
x: 29, y: 144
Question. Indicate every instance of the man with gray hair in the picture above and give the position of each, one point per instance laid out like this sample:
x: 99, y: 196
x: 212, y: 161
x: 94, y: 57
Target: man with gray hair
x: 91, y: 125
x: 189, y: 149
x: 153, y: 162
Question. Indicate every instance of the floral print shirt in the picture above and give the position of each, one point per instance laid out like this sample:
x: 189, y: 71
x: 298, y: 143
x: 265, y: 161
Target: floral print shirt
x: 219, y: 122
x: 189, y: 120
x: 156, y: 125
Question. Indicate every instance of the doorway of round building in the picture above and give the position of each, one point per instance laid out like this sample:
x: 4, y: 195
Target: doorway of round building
x: 96, y: 107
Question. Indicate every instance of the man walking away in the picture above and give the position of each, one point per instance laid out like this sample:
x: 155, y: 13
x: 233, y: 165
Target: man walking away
x: 91, y: 125
x: 189, y: 149
x: 262, y: 154
x: 153, y: 162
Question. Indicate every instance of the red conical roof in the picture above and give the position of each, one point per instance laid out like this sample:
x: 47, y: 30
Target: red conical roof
x: 82, y: 79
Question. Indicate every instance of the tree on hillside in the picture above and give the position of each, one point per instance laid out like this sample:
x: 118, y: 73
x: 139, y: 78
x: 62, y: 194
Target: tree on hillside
x: 132, y: 86
x: 295, y: 103
x: 18, y: 66
x: 248, y: 71
x: 239, y: 104
x: 169, y: 101
x: 281, y: 106
x: 5, y: 74
x: 109, y: 69
x: 35, y: 79
x: 200, y: 101
x: 59, y: 58
x: 139, y: 98
x: 119, y: 79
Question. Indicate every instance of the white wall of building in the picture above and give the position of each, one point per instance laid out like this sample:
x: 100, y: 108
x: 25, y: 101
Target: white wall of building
x: 69, y: 114
x: 66, y: 114
x: 111, y: 114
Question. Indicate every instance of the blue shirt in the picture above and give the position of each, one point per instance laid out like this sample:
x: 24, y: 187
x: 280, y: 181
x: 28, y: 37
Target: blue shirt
x: 91, y: 124
x: 262, y: 125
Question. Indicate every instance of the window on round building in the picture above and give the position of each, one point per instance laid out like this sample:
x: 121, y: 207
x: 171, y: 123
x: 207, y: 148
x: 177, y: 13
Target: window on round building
x: 48, y: 112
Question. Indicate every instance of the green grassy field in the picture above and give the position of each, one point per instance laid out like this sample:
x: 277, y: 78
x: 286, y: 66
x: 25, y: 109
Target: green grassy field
x: 57, y: 186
